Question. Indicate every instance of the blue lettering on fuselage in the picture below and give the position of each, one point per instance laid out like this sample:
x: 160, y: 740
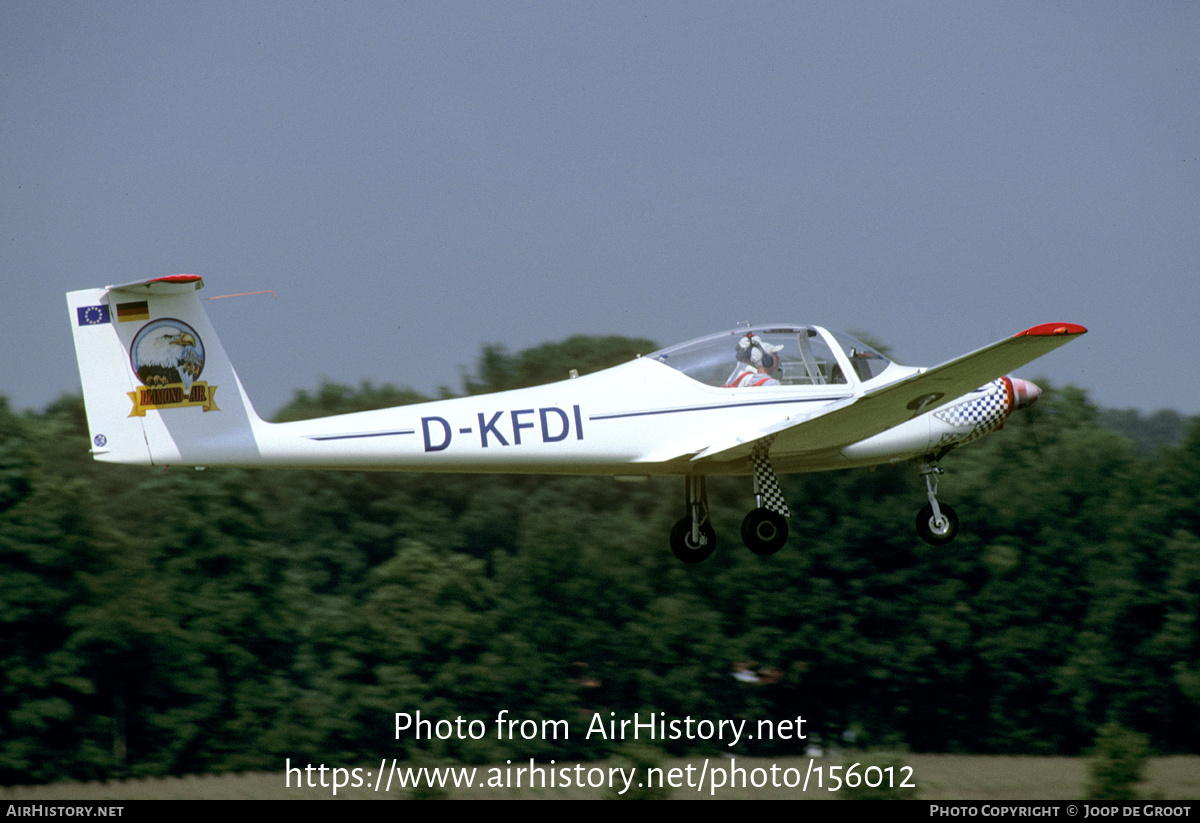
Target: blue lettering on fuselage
x: 552, y: 422
x: 445, y: 435
x: 518, y: 425
x: 490, y: 426
x: 563, y: 422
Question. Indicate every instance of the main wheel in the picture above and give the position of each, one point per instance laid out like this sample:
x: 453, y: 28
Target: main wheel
x: 764, y: 532
x: 937, y: 533
x: 685, y: 549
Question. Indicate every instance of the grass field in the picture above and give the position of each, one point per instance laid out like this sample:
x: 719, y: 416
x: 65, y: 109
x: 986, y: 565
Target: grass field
x: 938, y: 777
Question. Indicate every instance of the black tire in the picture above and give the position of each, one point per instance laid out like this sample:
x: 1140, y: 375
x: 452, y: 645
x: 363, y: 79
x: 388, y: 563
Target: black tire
x: 681, y: 541
x: 933, y: 533
x: 764, y: 532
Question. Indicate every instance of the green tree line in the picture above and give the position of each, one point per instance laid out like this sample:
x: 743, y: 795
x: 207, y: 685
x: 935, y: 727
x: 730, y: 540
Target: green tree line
x: 169, y: 622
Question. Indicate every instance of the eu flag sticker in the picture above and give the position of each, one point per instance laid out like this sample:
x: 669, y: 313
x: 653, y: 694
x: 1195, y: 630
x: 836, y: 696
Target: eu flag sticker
x: 92, y: 315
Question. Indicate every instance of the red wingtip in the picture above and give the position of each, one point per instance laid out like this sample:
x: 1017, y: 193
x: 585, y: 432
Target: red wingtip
x: 1052, y: 329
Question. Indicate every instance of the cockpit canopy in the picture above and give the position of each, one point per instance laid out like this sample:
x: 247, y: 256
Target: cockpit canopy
x: 808, y: 356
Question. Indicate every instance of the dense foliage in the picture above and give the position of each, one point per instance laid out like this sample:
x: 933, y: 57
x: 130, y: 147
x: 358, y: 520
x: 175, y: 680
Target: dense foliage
x: 177, y: 621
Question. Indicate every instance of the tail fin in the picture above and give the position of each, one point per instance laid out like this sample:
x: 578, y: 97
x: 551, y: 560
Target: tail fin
x: 157, y: 384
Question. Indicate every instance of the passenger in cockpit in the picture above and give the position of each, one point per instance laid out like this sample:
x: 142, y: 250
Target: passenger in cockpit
x: 758, y: 361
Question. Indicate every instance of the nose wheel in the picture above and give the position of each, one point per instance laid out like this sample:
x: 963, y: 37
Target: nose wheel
x: 937, y: 529
x: 937, y: 523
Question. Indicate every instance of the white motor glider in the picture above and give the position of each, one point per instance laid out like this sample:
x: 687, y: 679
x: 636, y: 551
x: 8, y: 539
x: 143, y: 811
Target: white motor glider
x: 160, y: 390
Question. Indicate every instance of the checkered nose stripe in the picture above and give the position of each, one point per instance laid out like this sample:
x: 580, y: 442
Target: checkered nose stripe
x: 985, y: 412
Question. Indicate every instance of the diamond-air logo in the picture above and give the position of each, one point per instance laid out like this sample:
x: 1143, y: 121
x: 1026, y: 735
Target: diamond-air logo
x: 167, y: 355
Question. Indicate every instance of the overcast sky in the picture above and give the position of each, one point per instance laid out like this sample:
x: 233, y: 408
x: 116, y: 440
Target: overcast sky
x: 416, y: 179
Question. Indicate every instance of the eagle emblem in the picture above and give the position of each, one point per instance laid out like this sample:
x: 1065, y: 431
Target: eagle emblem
x: 167, y: 355
x: 167, y: 351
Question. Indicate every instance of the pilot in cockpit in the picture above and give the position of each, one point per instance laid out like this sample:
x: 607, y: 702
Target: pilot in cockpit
x: 758, y: 362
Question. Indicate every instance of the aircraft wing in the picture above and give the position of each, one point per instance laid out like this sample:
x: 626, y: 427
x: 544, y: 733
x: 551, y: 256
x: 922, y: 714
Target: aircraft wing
x: 877, y: 410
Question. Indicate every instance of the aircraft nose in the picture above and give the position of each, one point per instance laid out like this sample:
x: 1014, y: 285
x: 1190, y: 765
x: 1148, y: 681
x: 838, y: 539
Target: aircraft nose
x: 1025, y: 393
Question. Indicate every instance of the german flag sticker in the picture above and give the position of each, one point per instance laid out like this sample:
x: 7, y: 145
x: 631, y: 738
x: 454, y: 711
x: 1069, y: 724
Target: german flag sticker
x: 133, y: 311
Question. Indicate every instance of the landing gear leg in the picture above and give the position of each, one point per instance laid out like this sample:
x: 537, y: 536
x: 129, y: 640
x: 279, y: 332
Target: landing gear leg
x: 765, y: 530
x: 937, y: 524
x: 693, y: 538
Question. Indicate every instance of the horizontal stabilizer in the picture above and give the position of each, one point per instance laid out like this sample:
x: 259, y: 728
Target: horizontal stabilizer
x: 171, y: 284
